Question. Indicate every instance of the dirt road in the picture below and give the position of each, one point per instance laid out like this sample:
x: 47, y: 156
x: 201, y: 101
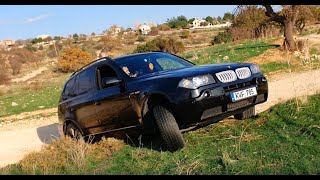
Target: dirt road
x: 23, y: 136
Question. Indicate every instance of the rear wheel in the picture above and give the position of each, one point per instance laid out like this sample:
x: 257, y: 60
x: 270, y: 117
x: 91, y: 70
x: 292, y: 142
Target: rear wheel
x: 248, y: 113
x: 168, y: 128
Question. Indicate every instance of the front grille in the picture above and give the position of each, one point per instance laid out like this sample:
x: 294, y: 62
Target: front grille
x: 226, y: 76
x: 243, y: 73
x: 237, y: 86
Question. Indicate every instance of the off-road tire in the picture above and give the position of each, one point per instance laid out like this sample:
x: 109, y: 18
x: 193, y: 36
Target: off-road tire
x: 168, y: 128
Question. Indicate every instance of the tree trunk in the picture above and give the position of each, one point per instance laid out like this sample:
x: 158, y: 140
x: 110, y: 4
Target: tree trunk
x: 289, y: 43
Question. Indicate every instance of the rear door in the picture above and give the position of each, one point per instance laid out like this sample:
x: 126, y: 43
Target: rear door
x: 82, y: 104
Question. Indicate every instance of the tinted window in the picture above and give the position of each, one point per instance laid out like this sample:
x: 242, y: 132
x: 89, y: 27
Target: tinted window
x: 85, y: 82
x: 105, y: 72
x: 149, y: 63
x: 69, y: 90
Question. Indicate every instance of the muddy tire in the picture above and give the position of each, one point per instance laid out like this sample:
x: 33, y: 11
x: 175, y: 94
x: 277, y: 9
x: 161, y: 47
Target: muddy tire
x: 168, y: 128
x: 246, y: 114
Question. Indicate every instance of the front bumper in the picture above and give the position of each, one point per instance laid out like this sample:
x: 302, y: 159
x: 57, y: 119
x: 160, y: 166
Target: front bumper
x: 215, y: 101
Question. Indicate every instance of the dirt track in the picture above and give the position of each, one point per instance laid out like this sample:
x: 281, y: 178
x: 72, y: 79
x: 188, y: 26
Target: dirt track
x: 23, y: 136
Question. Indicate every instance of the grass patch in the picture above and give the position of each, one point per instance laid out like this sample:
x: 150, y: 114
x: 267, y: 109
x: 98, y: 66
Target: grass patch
x: 273, y: 66
x: 284, y: 140
x: 30, y: 98
x: 228, y: 52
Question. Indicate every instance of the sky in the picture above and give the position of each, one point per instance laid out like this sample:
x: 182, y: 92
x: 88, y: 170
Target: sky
x: 26, y: 21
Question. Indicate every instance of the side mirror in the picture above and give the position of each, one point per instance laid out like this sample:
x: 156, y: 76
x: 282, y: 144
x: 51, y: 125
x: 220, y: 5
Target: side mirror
x: 107, y: 81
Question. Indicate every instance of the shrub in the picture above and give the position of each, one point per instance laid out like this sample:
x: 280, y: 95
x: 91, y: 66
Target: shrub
x: 73, y: 59
x: 110, y: 43
x: 15, y: 64
x: 24, y: 55
x: 222, y: 37
x: 29, y: 47
x: 185, y: 34
x: 154, y: 31
x: 40, y: 47
x: 161, y: 44
x: 164, y: 27
x: 4, y: 78
x: 141, y: 38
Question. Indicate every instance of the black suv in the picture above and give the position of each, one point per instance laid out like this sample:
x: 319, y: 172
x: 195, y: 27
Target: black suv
x: 157, y: 93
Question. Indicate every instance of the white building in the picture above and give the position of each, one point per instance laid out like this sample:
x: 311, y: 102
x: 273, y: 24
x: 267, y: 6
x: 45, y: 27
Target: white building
x: 44, y: 36
x: 196, y: 24
x: 144, y: 28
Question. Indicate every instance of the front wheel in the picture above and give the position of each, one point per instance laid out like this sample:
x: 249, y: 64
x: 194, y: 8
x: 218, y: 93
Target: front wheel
x: 248, y: 113
x: 168, y: 127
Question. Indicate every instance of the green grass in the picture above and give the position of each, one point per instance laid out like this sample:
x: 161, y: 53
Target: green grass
x: 273, y: 66
x: 228, y: 52
x: 31, y: 100
x: 284, y: 140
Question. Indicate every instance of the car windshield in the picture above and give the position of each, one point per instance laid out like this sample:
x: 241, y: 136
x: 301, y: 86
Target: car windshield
x: 150, y: 63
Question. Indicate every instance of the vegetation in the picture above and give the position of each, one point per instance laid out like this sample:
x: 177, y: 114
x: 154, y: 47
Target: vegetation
x: 73, y: 59
x: 228, y: 52
x: 222, y: 37
x: 161, y: 44
x: 284, y: 140
x: 178, y: 22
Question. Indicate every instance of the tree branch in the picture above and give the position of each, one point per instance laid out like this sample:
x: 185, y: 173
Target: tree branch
x: 274, y: 16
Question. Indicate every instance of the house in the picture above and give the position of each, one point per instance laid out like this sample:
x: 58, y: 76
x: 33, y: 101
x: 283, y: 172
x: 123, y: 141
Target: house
x: 144, y: 28
x: 198, y: 24
x: 7, y: 43
x: 44, y: 36
x: 114, y: 30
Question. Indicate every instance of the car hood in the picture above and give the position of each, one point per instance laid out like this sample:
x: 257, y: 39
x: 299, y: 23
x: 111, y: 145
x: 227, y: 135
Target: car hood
x: 194, y: 71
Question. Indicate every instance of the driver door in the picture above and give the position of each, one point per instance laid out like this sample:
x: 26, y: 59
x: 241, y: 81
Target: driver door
x: 112, y: 103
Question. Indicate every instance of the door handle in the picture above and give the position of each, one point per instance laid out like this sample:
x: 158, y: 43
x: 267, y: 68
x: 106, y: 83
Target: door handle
x: 97, y: 103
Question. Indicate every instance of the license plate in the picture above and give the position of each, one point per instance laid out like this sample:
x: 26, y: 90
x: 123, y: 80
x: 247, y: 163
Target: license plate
x: 243, y: 94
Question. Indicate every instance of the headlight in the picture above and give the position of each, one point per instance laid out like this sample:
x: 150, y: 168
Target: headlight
x: 197, y: 81
x: 255, y: 69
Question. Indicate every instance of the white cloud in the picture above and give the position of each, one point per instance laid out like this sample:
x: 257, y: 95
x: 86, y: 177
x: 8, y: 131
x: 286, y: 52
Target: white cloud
x: 37, y: 18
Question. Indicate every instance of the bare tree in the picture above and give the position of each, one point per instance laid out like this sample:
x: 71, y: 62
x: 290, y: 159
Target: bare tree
x: 287, y: 18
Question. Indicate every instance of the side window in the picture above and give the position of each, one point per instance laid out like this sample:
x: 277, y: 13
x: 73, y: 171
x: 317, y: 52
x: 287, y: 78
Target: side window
x: 103, y: 73
x: 85, y: 82
x: 69, y: 89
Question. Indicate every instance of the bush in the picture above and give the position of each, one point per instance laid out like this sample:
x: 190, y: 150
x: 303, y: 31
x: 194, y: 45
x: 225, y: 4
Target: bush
x: 73, y: 59
x: 185, y: 34
x: 161, y: 44
x: 4, y: 77
x: 110, y: 43
x: 141, y: 38
x: 222, y: 37
x: 154, y: 31
x: 29, y: 47
x: 24, y: 55
x: 40, y: 47
x: 15, y: 64
x: 164, y: 27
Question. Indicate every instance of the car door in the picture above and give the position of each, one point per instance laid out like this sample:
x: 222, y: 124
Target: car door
x: 112, y: 103
x: 82, y: 105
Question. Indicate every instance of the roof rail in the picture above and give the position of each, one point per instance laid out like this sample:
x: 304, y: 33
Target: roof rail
x: 105, y: 58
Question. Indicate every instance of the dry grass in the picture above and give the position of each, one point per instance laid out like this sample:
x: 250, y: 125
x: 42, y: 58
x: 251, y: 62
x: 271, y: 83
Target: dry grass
x: 32, y: 86
x: 67, y: 155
